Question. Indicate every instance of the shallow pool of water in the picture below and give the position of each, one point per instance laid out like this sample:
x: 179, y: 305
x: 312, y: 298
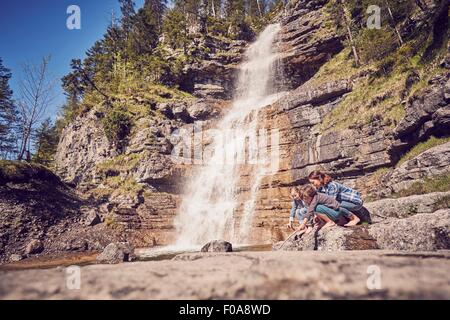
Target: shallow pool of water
x: 89, y: 258
x: 169, y: 252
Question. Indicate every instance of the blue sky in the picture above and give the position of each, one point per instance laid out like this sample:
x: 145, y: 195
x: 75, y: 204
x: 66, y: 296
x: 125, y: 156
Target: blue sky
x: 32, y: 29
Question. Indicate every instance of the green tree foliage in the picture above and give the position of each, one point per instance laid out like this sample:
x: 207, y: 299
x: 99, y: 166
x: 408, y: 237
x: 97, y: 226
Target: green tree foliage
x: 46, y: 142
x: 176, y: 29
x: 128, y: 12
x: 150, y: 46
x: 117, y: 125
x: 8, y: 114
x: 154, y: 12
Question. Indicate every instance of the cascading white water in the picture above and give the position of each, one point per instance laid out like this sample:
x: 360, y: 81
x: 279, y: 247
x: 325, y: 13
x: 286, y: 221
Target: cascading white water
x: 207, y: 211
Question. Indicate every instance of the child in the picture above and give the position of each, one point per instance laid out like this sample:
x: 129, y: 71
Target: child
x: 326, y: 208
x: 348, y: 198
x: 299, y: 207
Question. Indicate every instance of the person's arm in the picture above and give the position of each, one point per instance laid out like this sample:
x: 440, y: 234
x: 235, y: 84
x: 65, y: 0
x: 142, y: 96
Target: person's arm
x: 303, y: 224
x: 312, y: 207
x: 292, y: 214
x: 333, y: 190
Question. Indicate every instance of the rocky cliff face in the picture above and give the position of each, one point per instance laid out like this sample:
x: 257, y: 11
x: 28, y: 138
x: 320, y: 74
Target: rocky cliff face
x: 137, y: 186
x: 313, y: 119
x: 329, y: 120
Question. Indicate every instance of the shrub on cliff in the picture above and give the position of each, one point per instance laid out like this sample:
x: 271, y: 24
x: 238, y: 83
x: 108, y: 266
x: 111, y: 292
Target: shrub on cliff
x: 18, y: 171
x: 117, y: 126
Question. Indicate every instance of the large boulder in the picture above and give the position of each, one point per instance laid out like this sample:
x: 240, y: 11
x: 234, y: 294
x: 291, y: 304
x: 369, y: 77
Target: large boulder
x: 422, y: 232
x: 408, y: 206
x: 34, y: 247
x: 16, y: 258
x: 92, y: 218
x: 115, y: 253
x: 333, y: 239
x: 217, y: 246
x: 203, y: 110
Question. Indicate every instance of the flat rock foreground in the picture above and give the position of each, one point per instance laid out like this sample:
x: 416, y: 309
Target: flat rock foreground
x: 246, y: 275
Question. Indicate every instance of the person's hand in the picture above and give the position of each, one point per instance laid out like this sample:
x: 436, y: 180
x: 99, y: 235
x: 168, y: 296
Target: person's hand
x: 290, y: 225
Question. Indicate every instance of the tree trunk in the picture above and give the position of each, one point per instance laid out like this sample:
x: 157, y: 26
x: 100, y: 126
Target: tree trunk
x: 259, y: 8
x: 25, y: 139
x: 349, y: 32
x: 400, y: 40
x: 213, y: 7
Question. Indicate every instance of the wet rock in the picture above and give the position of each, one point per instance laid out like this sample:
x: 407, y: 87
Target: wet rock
x: 34, y: 247
x: 217, y: 246
x: 202, y: 110
x: 209, y: 90
x: 115, y: 253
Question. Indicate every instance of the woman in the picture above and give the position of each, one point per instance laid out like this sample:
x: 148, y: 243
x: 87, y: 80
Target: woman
x: 326, y: 208
x: 349, y: 199
x: 298, y: 207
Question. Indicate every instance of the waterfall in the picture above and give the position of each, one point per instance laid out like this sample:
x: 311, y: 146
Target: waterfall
x: 208, y: 209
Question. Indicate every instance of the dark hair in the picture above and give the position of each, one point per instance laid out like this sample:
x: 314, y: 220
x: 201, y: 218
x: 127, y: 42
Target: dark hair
x: 324, y: 178
x: 309, y: 191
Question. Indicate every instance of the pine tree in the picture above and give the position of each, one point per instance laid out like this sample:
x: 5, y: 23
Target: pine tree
x: 236, y: 16
x: 8, y: 114
x: 46, y: 142
x: 176, y: 29
x: 344, y: 16
x: 154, y: 12
x: 235, y: 10
x: 214, y: 8
x: 255, y: 8
x: 128, y: 13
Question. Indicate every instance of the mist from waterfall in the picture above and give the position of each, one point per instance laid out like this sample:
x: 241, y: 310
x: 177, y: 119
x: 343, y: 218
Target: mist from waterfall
x: 208, y: 208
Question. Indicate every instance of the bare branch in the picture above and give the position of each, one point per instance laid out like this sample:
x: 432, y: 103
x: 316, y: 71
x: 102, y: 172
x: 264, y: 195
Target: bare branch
x: 37, y: 93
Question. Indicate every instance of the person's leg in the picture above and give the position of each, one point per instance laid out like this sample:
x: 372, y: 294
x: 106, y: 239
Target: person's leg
x: 354, y: 220
x: 324, y: 220
x: 327, y: 214
x: 354, y: 211
x: 308, y: 229
x: 354, y: 208
x: 332, y: 214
